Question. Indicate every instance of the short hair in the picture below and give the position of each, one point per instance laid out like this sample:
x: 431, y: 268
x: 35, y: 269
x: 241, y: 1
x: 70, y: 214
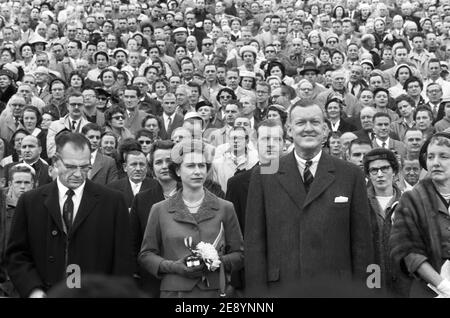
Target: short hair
x: 412, y: 79
x: 359, y: 142
x: 157, y: 145
x: 151, y: 116
x: 144, y: 133
x: 127, y: 145
x: 227, y: 90
x: 134, y: 152
x: 57, y: 80
x: 375, y: 74
x: 113, y: 110
x: 269, y: 123
x: 196, y: 86
x: 424, y: 109
x: 380, y: 115
x: 189, y: 146
x: 434, y: 60
x: 304, y: 106
x: 406, y: 98
x: 78, y: 43
x: 133, y: 88
x: 21, y: 167
x: 106, y: 70
x: 160, y: 80
x: 265, y: 84
x: 74, y: 94
x: 79, y: 141
x: 90, y: 126
x: 110, y: 134
x: 36, y: 111
x: 417, y: 34
x: 380, y: 154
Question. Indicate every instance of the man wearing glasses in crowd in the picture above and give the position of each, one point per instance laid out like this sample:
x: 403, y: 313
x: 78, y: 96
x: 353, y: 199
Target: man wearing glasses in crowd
x: 67, y: 216
x: 74, y: 121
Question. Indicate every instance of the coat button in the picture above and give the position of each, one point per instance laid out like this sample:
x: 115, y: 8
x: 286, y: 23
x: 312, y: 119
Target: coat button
x: 51, y: 259
x: 54, y: 232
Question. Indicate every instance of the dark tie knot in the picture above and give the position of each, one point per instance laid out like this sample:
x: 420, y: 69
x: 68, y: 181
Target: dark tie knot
x: 308, y: 164
x: 70, y: 193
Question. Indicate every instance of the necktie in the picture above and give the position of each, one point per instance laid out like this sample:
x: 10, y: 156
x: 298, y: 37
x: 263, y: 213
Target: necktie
x: 169, y: 122
x: 74, y: 125
x: 307, y: 176
x: 68, y: 210
x: 383, y: 145
x: 17, y: 122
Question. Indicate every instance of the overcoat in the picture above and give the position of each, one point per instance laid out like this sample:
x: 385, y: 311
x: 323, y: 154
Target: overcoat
x: 292, y: 236
x: 39, y: 248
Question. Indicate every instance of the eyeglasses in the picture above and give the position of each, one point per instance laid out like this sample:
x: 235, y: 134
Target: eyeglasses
x: 374, y: 171
x: 147, y: 142
x: 72, y: 168
x: 409, y: 169
x: 118, y: 117
x: 76, y: 104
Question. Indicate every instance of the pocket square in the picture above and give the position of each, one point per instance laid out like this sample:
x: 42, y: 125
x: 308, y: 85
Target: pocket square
x: 340, y: 199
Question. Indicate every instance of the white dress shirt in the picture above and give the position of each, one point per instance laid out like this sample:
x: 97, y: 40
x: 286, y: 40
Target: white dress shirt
x: 93, y: 155
x: 302, y: 162
x: 135, y: 187
x: 380, y: 143
x: 334, y: 127
x: 76, y: 198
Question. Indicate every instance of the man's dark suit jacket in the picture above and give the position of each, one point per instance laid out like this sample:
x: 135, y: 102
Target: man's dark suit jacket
x: 237, y: 192
x: 99, y: 241
x: 139, y: 213
x: 296, y: 238
x: 42, y: 177
x: 104, y: 169
x: 177, y: 121
x: 123, y: 186
x: 363, y: 134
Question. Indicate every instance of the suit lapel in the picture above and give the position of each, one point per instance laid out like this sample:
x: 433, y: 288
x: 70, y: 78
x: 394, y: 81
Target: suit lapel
x: 88, y: 202
x: 391, y: 143
x: 11, y: 124
x: 290, y: 179
x: 128, y: 191
x: 97, y: 165
x: 51, y: 202
x: 129, y: 121
x: 323, y: 178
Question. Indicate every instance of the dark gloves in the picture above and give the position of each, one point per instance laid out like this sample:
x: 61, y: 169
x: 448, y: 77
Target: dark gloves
x: 179, y: 267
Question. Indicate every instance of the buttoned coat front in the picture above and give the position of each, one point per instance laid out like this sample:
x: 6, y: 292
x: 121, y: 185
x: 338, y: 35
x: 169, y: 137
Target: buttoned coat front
x: 293, y: 237
x: 39, y: 249
x: 170, y: 222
